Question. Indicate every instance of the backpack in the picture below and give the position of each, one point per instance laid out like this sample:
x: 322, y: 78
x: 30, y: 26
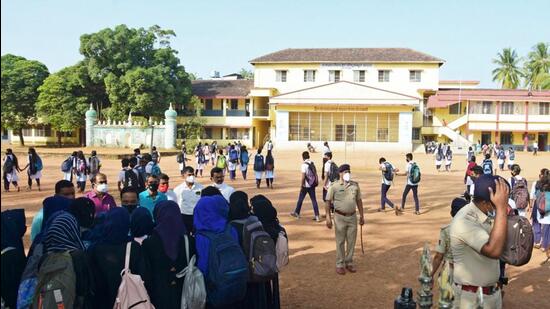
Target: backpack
x: 512, y: 155
x: 501, y: 155
x: 221, y: 162
x: 281, y: 249
x: 193, y: 292
x: 130, y: 179
x: 449, y: 155
x: 155, y: 169
x: 488, y: 167
x: 541, y: 203
x: 519, y: 241
x: 8, y: 165
x: 333, y: 174
x: 179, y: 158
x: 259, y: 248
x: 311, y: 175
x: 56, y: 287
x: 414, y: 175
x: 67, y: 165
x: 227, y: 269
x: 259, y: 163
x: 38, y: 164
x: 131, y: 291
x: 519, y: 193
x: 388, y: 173
x: 29, y: 278
x: 233, y: 156
x: 244, y: 158
x: 94, y: 165
x: 141, y: 180
x: 438, y: 156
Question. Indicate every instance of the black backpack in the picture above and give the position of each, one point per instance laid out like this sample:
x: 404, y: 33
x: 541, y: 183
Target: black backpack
x: 8, y: 165
x: 179, y: 157
x: 259, y: 163
x: 130, y: 179
x: 333, y: 174
x: 388, y: 173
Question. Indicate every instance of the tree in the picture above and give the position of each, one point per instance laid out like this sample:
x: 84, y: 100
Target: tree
x: 139, y: 69
x: 507, y: 71
x: 64, y: 99
x: 193, y: 127
x: 246, y: 74
x: 537, y: 64
x: 543, y: 81
x: 20, y: 81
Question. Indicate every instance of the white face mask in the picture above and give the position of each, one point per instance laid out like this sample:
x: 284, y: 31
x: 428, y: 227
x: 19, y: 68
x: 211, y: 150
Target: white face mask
x: 102, y: 187
x: 190, y: 179
x: 346, y: 177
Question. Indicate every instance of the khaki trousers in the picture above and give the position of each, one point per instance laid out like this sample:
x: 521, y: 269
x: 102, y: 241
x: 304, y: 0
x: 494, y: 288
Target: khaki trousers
x: 467, y: 300
x: 345, y: 229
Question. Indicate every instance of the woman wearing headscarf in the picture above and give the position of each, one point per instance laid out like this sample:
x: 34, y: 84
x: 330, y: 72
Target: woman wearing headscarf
x: 63, y: 235
x: 108, y: 256
x: 13, y: 254
x: 267, y: 214
x: 50, y: 206
x: 269, y: 168
x: 141, y: 224
x: 34, y: 169
x: 81, y: 171
x: 165, y: 255
x: 83, y: 209
x: 10, y: 169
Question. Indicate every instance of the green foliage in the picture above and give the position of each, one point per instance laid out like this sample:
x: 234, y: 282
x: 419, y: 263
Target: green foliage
x: 507, y: 71
x: 139, y: 69
x: 246, y: 74
x: 20, y: 81
x: 537, y: 66
x: 193, y: 128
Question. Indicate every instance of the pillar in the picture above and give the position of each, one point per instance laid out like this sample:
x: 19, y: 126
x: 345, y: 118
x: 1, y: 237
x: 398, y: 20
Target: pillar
x: 170, y: 132
x: 91, y: 118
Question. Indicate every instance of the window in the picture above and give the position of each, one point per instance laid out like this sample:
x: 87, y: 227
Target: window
x: 207, y: 133
x: 487, y: 107
x: 454, y: 109
x: 27, y: 132
x: 415, y: 76
x: 350, y: 133
x: 44, y: 131
x: 65, y: 134
x: 383, y: 76
x: 333, y: 76
x: 309, y: 75
x: 339, y: 132
x: 416, y: 134
x: 507, y: 108
x: 382, y: 134
x: 544, y: 108
x: 506, y: 138
x: 280, y: 76
x: 359, y: 76
x: 209, y: 104
x: 233, y: 133
x: 234, y: 104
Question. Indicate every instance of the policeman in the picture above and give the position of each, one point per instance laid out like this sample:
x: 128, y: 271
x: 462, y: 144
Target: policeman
x: 345, y: 195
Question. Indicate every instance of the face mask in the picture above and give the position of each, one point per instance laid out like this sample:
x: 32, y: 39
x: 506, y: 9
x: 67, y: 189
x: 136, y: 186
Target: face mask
x: 130, y: 207
x: 190, y: 179
x: 154, y: 187
x: 347, y: 177
x: 491, y: 213
x: 102, y: 187
x: 163, y: 188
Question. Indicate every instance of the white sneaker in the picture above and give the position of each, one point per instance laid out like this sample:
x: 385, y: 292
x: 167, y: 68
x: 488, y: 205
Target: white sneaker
x: 316, y: 218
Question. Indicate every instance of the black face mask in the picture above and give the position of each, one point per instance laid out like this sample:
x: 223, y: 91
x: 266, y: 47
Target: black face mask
x: 130, y: 207
x: 154, y: 187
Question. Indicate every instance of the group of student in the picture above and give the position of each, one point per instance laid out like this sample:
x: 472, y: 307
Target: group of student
x: 443, y: 154
x: 80, y: 254
x: 11, y: 170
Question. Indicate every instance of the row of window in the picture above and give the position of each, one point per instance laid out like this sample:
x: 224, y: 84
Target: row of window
x: 232, y: 133
x: 43, y: 131
x: 506, y: 108
x: 233, y: 103
x: 415, y: 76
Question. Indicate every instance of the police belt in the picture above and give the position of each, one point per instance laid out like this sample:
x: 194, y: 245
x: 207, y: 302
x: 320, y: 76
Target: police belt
x: 343, y: 213
x: 487, y: 290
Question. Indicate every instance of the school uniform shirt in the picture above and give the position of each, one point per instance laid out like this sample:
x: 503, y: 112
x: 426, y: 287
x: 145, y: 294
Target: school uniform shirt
x: 122, y: 174
x: 171, y: 196
x: 384, y: 180
x: 303, y: 168
x: 408, y: 168
x: 13, y: 176
x: 225, y: 189
x: 326, y: 170
x: 326, y: 150
x: 148, y: 201
x: 533, y: 190
x: 230, y: 165
x: 187, y: 198
x: 101, y: 204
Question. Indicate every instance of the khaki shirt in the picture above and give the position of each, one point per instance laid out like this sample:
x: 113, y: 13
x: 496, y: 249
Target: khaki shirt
x: 344, y: 196
x: 470, y: 230
x: 444, y: 244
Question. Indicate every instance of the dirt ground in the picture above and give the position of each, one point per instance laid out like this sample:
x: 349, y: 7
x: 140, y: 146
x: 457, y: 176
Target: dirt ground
x: 392, y: 244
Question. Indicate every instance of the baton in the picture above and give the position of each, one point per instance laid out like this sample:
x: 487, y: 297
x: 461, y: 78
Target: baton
x: 362, y: 246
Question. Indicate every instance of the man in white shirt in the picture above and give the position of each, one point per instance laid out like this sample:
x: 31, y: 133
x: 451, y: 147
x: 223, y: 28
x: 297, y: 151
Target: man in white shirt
x: 308, y: 184
x: 188, y: 194
x: 410, y: 185
x: 217, y: 177
x: 327, y: 174
x: 387, y: 180
x: 535, y: 148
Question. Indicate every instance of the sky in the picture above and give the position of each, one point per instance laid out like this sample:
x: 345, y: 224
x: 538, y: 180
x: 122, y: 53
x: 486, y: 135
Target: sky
x: 224, y: 35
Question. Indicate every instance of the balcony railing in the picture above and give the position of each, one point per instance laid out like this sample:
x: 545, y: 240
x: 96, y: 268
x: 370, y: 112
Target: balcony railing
x: 236, y: 113
x: 261, y: 112
x: 212, y: 112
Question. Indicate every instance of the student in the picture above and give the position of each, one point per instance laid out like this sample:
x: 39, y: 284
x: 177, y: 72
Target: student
x: 267, y: 214
x: 34, y: 169
x: 269, y: 168
x: 81, y: 171
x: 470, y: 154
x: 326, y: 150
x: 68, y: 174
x: 307, y: 186
x: 269, y: 145
x: 477, y: 242
x: 129, y: 199
x: 327, y: 159
x: 438, y: 157
x: 217, y: 178
x: 10, y: 170
x: 221, y: 161
x: 535, y: 189
x: 108, y: 257
x: 501, y: 158
x: 521, y: 183
x: 188, y: 194
x: 152, y: 167
x: 13, y: 255
x: 477, y: 171
x: 100, y: 195
x: 199, y: 157
x: 125, y: 177
x: 139, y: 169
x: 151, y: 197
x: 164, y: 187
x: 410, y: 184
x: 511, y: 157
x: 535, y: 148
x: 232, y: 162
x: 181, y: 158
x: 83, y: 209
x: 387, y: 180
x: 259, y: 167
x: 155, y: 155
x: 544, y: 220
x: 244, y: 158
x: 207, y: 153
x: 468, y: 175
x: 487, y: 165
x: 141, y: 224
x: 213, y: 151
x: 448, y: 158
x: 443, y: 247
x: 94, y: 166
x: 165, y: 255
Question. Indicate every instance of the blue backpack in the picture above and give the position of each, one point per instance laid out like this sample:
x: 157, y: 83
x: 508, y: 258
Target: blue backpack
x: 67, y: 165
x: 233, y: 156
x: 259, y: 163
x: 155, y: 170
x: 227, y: 269
x: 488, y: 167
x: 38, y: 164
x: 244, y: 158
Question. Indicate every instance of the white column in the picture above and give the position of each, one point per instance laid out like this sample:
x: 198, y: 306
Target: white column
x: 282, y: 126
x: 405, y: 131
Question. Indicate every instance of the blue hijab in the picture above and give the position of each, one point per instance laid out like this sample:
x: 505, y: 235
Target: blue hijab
x: 13, y: 228
x: 141, y: 222
x: 115, y: 228
x: 169, y: 227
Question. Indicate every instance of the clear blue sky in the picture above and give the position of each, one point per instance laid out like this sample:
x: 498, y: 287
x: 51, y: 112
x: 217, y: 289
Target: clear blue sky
x: 224, y: 35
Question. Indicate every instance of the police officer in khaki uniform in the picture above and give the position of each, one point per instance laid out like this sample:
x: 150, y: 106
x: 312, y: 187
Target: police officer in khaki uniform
x: 345, y: 195
x: 478, y: 235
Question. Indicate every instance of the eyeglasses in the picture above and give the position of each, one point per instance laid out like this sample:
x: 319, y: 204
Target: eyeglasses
x: 102, y: 181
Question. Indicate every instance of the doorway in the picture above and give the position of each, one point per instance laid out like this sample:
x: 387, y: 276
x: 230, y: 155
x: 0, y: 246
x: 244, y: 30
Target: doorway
x: 543, y: 141
x: 485, y: 138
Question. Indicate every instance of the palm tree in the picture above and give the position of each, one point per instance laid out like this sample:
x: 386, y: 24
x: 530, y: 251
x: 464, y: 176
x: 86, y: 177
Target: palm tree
x: 507, y: 72
x: 542, y: 81
x: 538, y: 63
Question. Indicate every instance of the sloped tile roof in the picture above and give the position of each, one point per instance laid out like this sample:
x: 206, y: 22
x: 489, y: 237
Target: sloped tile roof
x: 239, y: 88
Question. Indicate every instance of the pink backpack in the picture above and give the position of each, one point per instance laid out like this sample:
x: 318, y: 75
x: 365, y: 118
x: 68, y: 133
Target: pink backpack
x: 131, y: 292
